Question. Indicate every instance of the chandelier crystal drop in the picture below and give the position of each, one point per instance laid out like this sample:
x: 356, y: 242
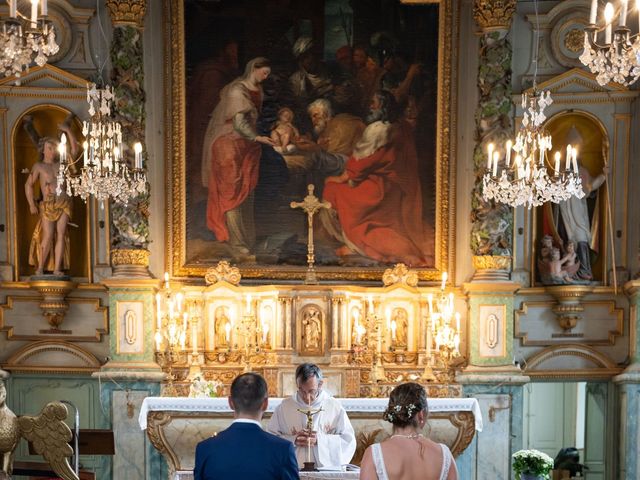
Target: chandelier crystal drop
x: 618, y: 58
x: 26, y: 40
x: 530, y: 179
x: 105, y: 173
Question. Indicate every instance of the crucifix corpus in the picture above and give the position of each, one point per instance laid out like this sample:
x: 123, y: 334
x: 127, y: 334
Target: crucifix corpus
x: 310, y: 205
x: 309, y: 466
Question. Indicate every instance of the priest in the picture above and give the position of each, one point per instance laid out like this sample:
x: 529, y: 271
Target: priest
x: 331, y: 441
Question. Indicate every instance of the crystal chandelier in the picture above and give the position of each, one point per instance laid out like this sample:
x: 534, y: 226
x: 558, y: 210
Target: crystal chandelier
x: 618, y: 58
x: 105, y: 172
x: 25, y: 40
x: 530, y: 180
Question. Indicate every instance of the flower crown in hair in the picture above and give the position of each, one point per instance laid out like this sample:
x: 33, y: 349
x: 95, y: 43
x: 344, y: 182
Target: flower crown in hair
x: 392, y: 412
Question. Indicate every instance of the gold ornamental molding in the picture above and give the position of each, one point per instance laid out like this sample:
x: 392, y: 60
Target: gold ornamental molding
x: 132, y: 262
x: 54, y: 304
x: 400, y: 274
x: 492, y: 15
x: 223, y: 272
x: 491, y: 268
x: 127, y: 12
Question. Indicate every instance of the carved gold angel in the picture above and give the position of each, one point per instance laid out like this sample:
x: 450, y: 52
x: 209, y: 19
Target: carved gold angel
x: 47, y: 432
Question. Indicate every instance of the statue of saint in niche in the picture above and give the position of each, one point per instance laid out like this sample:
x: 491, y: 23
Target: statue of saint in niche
x: 402, y: 327
x: 312, y: 329
x: 223, y: 333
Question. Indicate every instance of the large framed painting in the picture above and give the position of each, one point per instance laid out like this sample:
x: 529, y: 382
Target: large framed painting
x: 267, y: 97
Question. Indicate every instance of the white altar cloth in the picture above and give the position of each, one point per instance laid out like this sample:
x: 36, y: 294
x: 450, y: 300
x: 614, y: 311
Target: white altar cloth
x: 186, y: 475
x: 221, y: 405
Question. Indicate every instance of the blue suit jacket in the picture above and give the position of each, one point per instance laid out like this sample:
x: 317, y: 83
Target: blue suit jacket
x: 245, y: 452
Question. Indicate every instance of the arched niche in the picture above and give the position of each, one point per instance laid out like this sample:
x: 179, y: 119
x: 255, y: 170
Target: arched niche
x: 43, y: 121
x: 585, y: 132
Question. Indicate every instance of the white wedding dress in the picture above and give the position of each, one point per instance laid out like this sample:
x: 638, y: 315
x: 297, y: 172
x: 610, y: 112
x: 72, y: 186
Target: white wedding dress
x: 381, y: 471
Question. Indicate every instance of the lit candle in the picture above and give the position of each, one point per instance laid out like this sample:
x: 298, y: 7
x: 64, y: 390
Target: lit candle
x: 557, y: 167
x: 508, y: 157
x: 227, y: 332
x: 194, y: 337
x: 394, y: 327
x: 137, y: 148
x: 34, y: 11
x: 623, y: 14
x: 574, y: 156
x: 594, y: 11
x: 496, y: 156
x: 490, y: 148
x: 166, y: 280
x: 62, y: 148
x: 85, y: 147
x: 158, y: 311
x: 158, y: 341
x: 13, y: 8
x: 608, y: 18
x: 568, y: 160
x: 44, y: 8
x: 444, y: 280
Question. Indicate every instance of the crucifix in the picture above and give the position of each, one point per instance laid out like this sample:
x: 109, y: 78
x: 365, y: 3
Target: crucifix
x: 310, y: 205
x: 309, y: 466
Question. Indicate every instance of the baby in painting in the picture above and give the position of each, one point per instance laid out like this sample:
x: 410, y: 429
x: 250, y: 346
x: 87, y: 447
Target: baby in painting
x: 284, y: 133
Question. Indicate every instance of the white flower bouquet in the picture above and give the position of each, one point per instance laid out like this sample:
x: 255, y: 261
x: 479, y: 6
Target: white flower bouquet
x: 201, y: 388
x: 532, y: 463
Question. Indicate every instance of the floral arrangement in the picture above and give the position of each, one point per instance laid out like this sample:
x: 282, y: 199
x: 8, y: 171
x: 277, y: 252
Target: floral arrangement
x: 201, y: 388
x: 393, y: 411
x: 532, y: 462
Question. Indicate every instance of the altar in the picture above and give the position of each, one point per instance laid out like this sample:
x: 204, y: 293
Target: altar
x: 176, y: 425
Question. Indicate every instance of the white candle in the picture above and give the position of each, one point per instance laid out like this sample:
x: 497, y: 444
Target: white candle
x: 496, y: 155
x: 489, y: 155
x: 85, y: 147
x: 13, y: 8
x: 158, y: 311
x: 227, y: 331
x: 508, y: 157
x: 623, y: 14
x: 158, y: 341
x: 574, y: 155
x: 594, y: 11
x: 34, y: 11
x: 138, y: 154
x: 166, y: 280
x: 608, y: 18
x: 62, y: 148
x: 44, y: 8
x: 557, y: 166
x: 444, y: 280
x: 568, y: 161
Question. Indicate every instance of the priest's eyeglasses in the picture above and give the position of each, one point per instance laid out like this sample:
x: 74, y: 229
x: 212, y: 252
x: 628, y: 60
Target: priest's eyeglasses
x: 308, y: 395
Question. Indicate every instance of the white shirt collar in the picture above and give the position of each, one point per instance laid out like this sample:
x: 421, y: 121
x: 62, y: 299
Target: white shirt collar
x: 247, y: 420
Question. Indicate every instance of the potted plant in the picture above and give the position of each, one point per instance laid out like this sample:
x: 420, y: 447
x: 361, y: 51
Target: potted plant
x: 532, y: 465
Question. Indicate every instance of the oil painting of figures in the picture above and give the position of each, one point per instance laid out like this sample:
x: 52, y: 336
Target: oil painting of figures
x: 280, y: 94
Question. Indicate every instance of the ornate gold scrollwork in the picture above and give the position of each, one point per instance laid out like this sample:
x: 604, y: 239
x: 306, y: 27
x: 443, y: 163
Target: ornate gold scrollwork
x: 494, y: 14
x: 127, y: 12
x: 223, y: 271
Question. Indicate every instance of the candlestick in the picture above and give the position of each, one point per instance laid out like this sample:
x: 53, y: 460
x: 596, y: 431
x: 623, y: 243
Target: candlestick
x: 444, y: 280
x: 62, y: 149
x: 166, y: 280
x: 574, y: 155
x: 496, y: 156
x: 508, y: 157
x: 137, y: 148
x: 608, y: 17
x: 623, y: 14
x: 593, y: 12
x: 568, y: 159
x: 557, y: 166
x: 490, y: 148
x: 34, y: 11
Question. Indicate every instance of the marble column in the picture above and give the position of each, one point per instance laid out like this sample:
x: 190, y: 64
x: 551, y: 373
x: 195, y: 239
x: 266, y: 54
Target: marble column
x: 492, y: 223
x: 629, y: 391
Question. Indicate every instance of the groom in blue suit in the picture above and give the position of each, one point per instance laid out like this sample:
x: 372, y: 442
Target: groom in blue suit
x: 244, y: 451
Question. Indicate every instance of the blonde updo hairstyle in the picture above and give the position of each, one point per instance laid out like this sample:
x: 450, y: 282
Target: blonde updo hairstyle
x: 405, y: 401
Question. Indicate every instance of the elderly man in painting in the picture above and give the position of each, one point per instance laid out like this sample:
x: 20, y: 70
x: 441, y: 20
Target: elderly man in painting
x: 336, y: 137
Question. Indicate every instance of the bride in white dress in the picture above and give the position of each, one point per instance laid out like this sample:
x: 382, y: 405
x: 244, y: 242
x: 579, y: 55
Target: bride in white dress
x: 407, y: 454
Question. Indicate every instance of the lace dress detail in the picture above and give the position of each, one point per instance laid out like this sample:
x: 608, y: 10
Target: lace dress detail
x: 381, y: 470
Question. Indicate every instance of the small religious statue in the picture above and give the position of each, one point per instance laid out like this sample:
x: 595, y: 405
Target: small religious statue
x: 400, y: 320
x: 312, y: 330
x: 556, y: 269
x: 309, y: 466
x: 223, y: 332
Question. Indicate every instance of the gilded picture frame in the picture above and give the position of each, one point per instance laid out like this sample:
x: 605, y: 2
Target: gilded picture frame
x: 184, y: 260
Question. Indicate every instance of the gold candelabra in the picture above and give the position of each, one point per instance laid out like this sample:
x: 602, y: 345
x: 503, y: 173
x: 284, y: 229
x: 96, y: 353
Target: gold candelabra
x: 367, y: 340
x: 254, y: 336
x: 171, y: 331
x: 443, y: 334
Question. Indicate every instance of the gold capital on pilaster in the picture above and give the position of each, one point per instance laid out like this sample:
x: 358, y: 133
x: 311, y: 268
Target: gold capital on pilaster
x: 127, y: 12
x: 493, y: 15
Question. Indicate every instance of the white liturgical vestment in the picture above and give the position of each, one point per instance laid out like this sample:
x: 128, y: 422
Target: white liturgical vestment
x: 336, y: 438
